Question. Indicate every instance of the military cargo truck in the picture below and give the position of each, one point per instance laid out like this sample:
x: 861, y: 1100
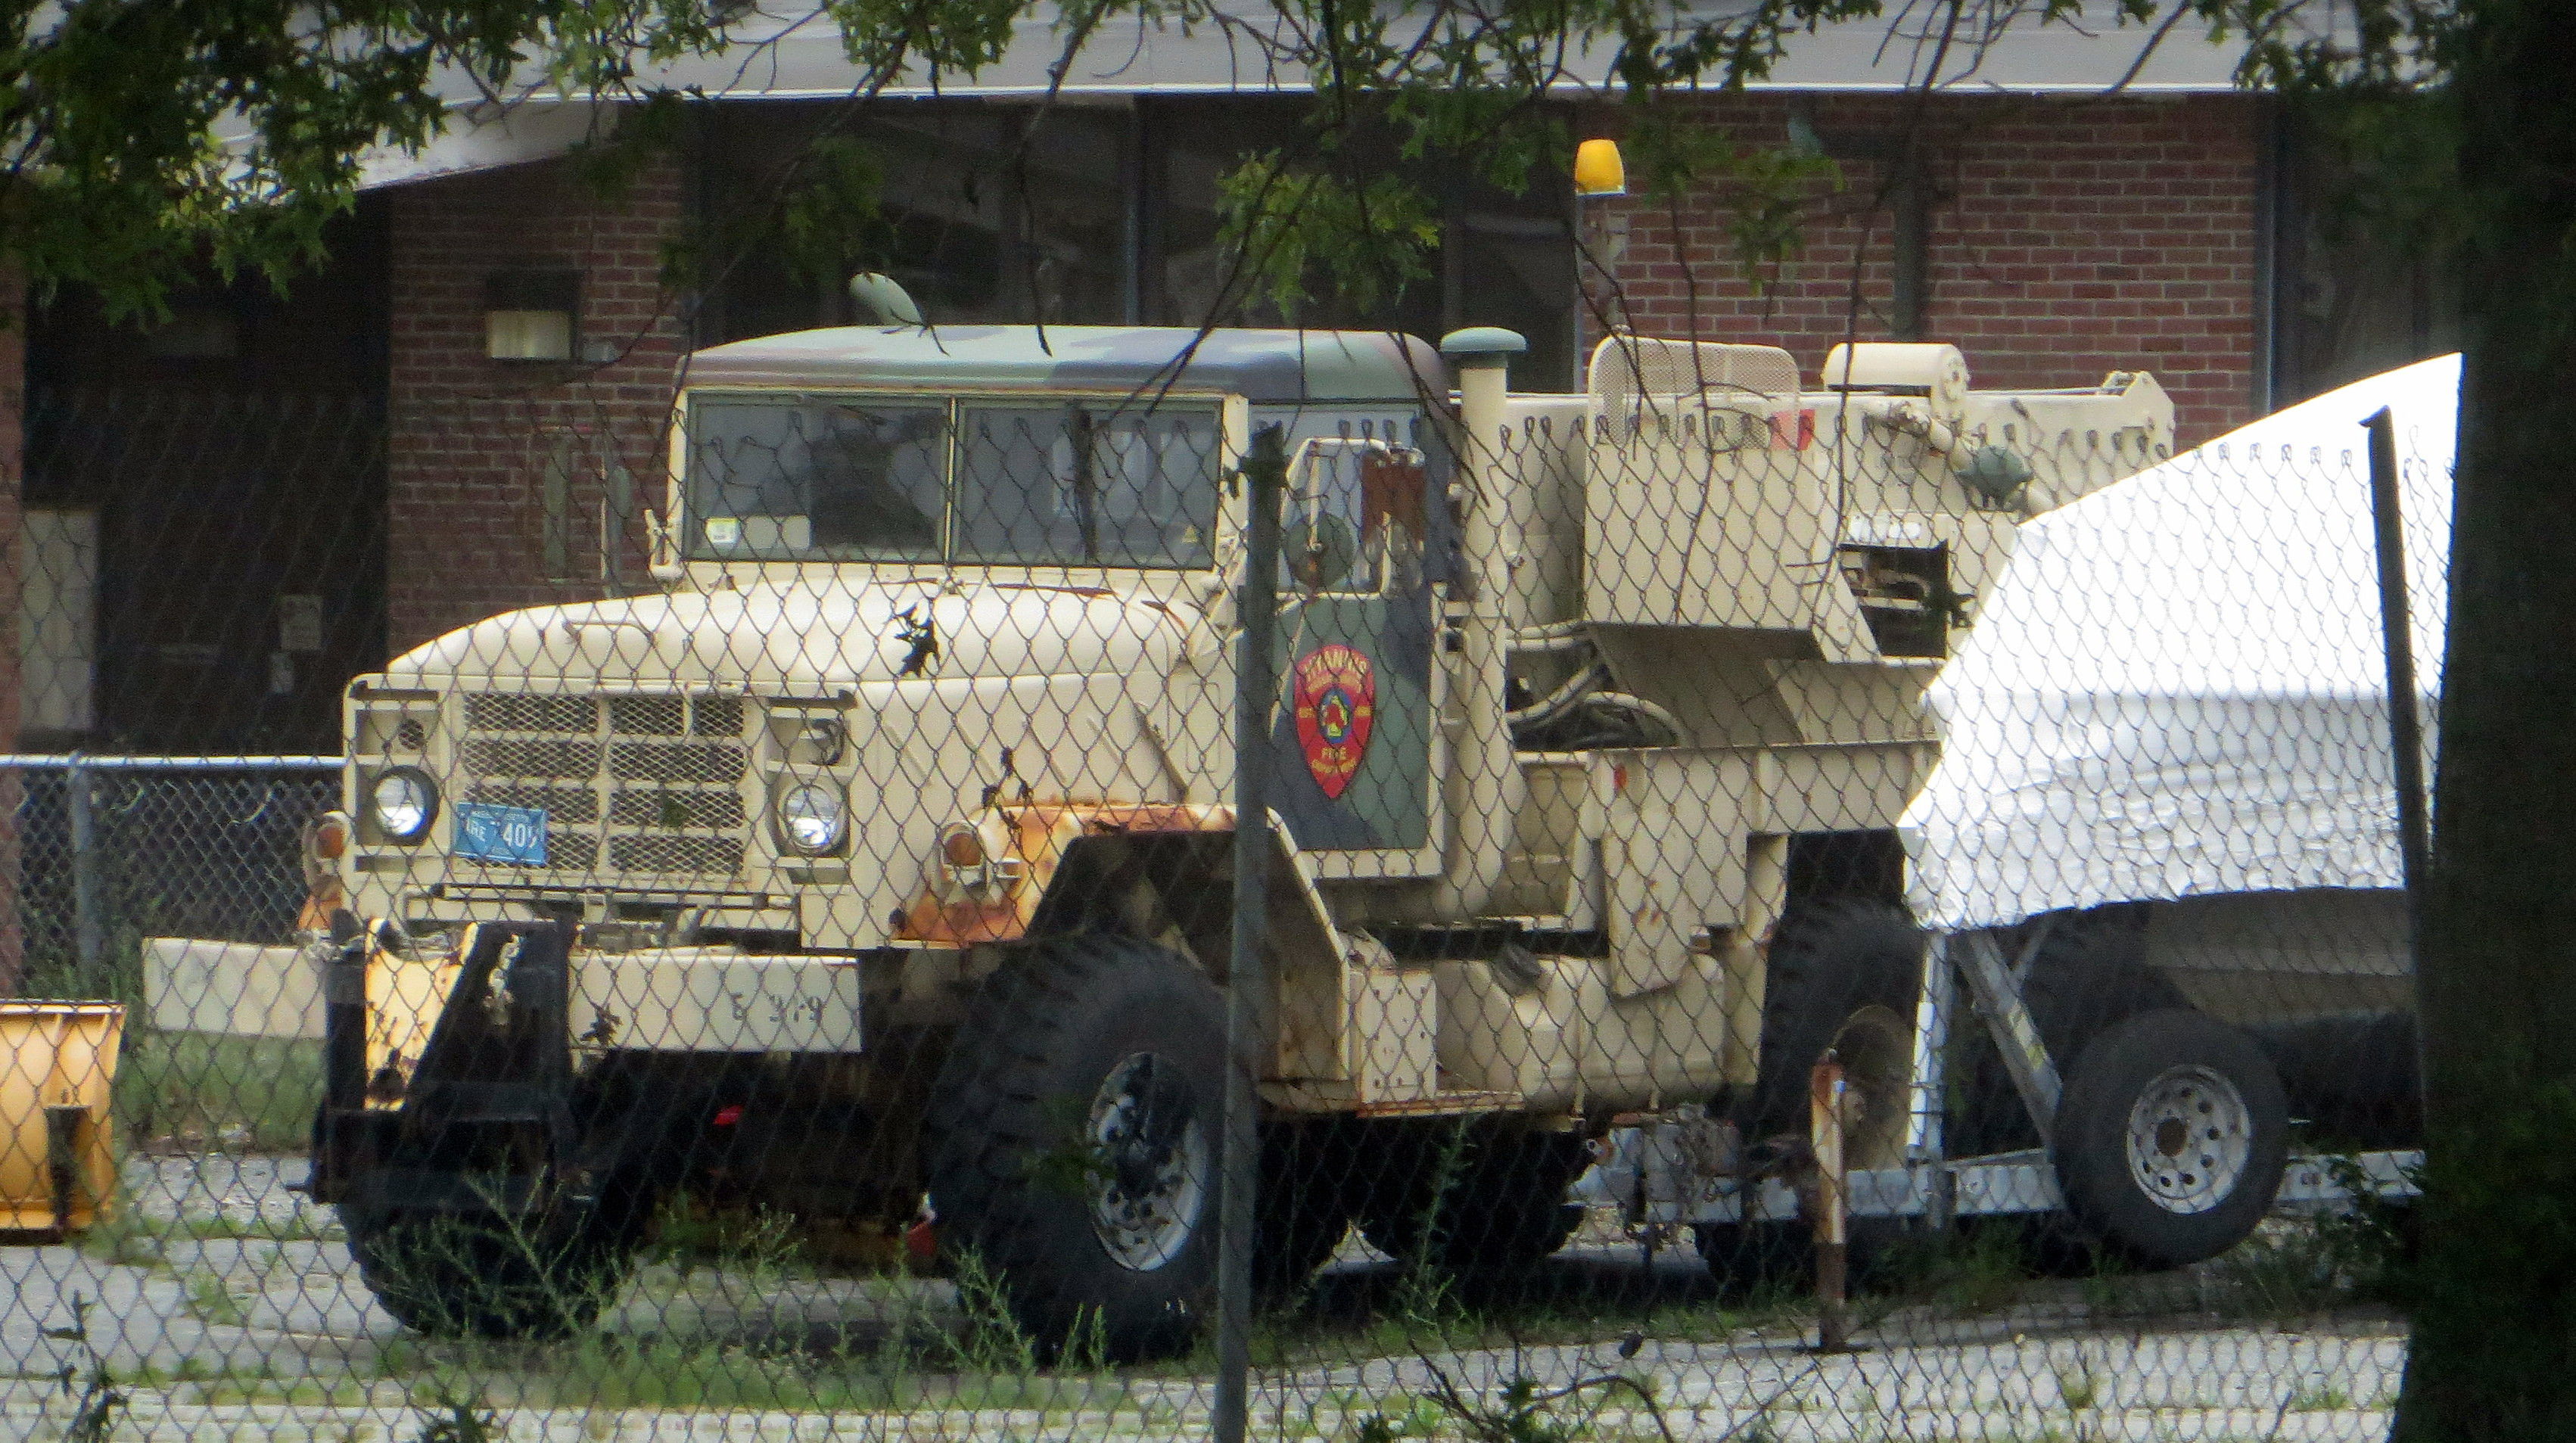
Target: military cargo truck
x: 877, y: 869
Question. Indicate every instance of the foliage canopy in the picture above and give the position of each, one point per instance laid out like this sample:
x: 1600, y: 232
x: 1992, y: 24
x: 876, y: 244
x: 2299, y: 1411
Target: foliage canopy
x: 144, y: 139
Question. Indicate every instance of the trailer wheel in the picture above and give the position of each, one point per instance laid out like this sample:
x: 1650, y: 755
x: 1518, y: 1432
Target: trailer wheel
x: 1073, y: 1141
x: 1840, y: 974
x: 1474, y: 1197
x: 2171, y: 1137
x: 2089, y: 973
x: 451, y: 1275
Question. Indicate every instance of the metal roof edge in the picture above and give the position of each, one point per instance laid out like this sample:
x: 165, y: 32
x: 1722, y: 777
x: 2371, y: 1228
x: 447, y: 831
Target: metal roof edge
x: 2097, y: 54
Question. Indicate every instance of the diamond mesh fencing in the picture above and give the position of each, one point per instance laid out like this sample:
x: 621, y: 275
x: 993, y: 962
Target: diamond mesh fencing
x: 1791, y: 904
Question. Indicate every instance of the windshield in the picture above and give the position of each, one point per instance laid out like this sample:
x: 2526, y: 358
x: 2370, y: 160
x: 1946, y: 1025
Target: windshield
x: 804, y: 478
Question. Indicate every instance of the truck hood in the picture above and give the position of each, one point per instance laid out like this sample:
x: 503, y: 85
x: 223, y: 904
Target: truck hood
x: 816, y: 636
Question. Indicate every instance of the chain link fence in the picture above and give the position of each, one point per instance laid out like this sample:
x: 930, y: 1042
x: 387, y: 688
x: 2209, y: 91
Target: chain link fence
x: 1794, y: 905
x: 116, y: 849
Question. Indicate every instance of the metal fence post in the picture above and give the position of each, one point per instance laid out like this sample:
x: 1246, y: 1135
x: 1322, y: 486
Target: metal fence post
x: 88, y: 927
x: 91, y: 901
x: 1264, y: 478
x: 2405, y: 726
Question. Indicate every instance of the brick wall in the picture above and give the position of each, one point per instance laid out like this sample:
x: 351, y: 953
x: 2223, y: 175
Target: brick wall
x: 2068, y: 238
x: 476, y: 444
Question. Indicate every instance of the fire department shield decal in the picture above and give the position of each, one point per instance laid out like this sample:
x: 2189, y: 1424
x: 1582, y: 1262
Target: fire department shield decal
x: 1336, y: 699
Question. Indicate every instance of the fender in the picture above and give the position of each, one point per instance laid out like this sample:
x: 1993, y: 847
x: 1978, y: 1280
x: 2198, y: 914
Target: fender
x: 993, y: 875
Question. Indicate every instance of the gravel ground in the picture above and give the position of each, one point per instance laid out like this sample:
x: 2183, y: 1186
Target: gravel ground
x: 253, y: 1289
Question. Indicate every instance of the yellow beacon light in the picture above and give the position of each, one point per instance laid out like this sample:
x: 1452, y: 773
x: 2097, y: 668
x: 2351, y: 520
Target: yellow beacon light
x: 1598, y: 171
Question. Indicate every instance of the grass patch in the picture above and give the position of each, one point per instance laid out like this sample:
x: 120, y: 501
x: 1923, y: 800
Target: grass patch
x: 647, y: 1373
x: 2301, y: 1266
x: 2320, y: 1398
x: 210, y: 1300
x: 618, y: 1372
x: 759, y: 1250
x: 311, y: 1392
x: 1964, y: 1272
x: 130, y: 1237
x: 2077, y: 1388
x: 2354, y: 1253
x: 245, y: 1094
x: 1318, y: 1332
x: 459, y: 1418
x: 918, y: 1356
x: 2280, y: 1273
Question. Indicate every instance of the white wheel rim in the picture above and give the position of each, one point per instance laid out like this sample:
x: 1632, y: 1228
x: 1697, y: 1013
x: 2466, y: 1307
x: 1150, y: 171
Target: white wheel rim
x: 2191, y: 1137
x: 1150, y: 1163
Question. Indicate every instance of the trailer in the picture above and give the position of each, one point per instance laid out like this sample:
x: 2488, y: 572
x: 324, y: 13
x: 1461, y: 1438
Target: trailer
x: 2158, y: 865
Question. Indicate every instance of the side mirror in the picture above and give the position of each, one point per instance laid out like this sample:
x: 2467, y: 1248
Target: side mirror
x: 663, y: 533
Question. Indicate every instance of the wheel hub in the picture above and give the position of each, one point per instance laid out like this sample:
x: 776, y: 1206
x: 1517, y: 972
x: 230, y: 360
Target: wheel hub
x: 1150, y: 1184
x: 2190, y: 1139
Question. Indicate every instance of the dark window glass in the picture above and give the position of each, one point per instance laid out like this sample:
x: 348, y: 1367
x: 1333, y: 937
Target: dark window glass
x: 1077, y: 486
x: 981, y: 222
x: 2352, y: 296
x: 1354, y: 520
x: 1502, y: 260
x: 808, y: 480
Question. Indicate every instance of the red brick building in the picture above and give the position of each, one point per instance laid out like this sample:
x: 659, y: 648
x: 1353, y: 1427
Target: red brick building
x: 519, y: 462
x: 2052, y: 239
x: 2053, y: 236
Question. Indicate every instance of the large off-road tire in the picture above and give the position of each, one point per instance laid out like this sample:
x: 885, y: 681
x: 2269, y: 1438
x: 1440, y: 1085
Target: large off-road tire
x: 1307, y: 1175
x: 1470, y: 1197
x: 2170, y: 1138
x: 452, y: 1275
x: 1073, y: 1143
x: 1842, y: 975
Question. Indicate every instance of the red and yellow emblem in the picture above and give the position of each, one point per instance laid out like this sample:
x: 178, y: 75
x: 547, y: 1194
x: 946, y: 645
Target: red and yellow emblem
x: 1336, y: 698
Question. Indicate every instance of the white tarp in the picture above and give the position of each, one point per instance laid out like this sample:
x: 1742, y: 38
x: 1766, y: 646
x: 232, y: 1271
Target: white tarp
x: 2177, y: 687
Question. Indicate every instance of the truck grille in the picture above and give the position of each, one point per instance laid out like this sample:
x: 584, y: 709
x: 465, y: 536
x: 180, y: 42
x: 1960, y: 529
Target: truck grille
x: 651, y: 782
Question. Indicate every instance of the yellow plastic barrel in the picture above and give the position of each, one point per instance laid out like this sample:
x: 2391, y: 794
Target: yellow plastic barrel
x: 57, y: 1060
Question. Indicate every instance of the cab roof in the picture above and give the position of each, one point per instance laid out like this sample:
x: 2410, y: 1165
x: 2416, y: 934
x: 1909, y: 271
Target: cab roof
x: 1265, y: 367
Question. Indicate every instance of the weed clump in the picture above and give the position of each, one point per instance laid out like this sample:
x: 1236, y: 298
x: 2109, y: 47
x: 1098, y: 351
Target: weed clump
x: 2338, y: 1257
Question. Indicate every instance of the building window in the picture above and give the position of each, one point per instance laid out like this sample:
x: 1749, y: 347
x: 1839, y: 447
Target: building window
x: 977, y: 230
x: 1108, y: 217
x: 532, y: 315
x: 1502, y: 260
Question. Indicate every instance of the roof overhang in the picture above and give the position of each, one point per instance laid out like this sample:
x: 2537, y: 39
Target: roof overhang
x: 801, y: 57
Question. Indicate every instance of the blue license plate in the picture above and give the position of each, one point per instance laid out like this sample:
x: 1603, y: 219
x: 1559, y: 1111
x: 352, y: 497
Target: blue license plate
x: 513, y: 835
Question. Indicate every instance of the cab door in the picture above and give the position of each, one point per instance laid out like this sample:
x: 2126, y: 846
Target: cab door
x: 1355, y: 737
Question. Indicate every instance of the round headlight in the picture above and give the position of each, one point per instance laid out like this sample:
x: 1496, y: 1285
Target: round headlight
x: 405, y: 802
x: 810, y: 818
